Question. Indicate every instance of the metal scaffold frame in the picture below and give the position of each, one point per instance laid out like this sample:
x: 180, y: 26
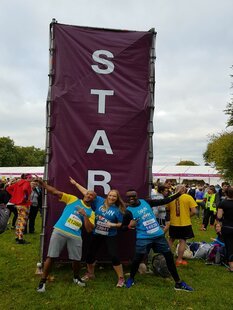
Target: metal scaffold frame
x: 152, y: 107
x: 48, y: 127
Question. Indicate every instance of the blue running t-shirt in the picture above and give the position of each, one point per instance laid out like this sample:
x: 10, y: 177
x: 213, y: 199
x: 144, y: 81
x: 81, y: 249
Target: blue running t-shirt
x: 104, y: 215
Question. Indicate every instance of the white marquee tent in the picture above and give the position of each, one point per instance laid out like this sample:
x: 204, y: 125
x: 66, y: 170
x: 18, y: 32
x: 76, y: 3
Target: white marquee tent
x: 10, y: 172
x: 179, y: 173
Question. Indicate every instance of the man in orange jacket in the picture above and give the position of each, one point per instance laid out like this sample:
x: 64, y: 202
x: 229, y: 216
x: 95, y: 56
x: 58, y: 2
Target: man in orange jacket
x: 20, y: 197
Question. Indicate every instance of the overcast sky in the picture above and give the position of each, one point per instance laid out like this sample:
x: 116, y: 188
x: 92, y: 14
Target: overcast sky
x: 194, y: 51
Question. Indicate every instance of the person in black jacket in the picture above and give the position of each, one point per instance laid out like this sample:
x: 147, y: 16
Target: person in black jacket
x: 225, y: 214
x: 4, y: 212
x: 36, y: 205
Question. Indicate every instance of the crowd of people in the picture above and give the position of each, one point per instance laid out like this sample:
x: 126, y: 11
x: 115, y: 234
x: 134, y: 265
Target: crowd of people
x: 22, y: 197
x: 157, y: 223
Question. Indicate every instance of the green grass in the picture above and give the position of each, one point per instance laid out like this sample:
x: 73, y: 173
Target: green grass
x: 212, y: 284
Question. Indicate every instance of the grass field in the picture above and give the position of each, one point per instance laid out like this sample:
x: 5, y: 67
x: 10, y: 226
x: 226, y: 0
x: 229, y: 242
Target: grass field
x: 212, y: 284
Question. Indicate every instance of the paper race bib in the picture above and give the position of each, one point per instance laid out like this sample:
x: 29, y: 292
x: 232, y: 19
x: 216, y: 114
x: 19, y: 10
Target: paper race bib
x: 101, y: 227
x: 151, y: 226
x: 73, y: 222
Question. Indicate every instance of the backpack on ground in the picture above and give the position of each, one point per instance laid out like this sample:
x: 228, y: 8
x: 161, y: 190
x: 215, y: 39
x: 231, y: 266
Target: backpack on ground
x: 216, y: 254
x: 200, y: 249
x: 159, y: 266
x: 4, y: 217
x: 188, y: 254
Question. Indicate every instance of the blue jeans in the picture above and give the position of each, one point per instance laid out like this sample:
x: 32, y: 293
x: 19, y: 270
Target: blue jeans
x: 158, y: 245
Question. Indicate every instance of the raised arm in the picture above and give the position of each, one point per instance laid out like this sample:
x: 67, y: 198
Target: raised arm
x: 52, y: 190
x: 82, y: 189
x: 164, y: 201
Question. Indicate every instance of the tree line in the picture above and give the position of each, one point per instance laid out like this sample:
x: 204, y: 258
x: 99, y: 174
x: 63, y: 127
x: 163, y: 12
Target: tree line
x: 12, y: 155
x: 220, y: 146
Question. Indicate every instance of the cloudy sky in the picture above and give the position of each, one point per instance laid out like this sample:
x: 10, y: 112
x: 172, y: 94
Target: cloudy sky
x: 194, y: 51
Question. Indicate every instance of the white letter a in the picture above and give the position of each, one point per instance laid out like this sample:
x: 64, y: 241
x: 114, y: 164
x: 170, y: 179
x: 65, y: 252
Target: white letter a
x: 100, y: 134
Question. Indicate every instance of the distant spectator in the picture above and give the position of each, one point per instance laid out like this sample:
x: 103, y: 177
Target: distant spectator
x: 153, y: 191
x: 192, y: 191
x: 169, y: 185
x: 221, y: 194
x: 4, y: 196
x: 219, y: 238
x: 180, y: 228
x: 210, y: 208
x: 160, y: 211
x: 225, y: 213
x: 36, y: 204
x: 199, y: 196
x: 10, y: 205
x: 20, y: 196
x: 4, y: 212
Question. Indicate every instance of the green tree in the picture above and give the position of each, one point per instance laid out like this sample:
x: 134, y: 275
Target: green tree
x: 220, y: 152
x: 220, y: 147
x: 30, y: 156
x: 7, y: 152
x: 186, y: 163
x: 19, y: 156
x: 229, y: 111
x: 229, y: 108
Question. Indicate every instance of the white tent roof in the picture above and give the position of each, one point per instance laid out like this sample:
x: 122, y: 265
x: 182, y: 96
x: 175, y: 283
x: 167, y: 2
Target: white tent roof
x: 206, y: 173
x: 10, y: 172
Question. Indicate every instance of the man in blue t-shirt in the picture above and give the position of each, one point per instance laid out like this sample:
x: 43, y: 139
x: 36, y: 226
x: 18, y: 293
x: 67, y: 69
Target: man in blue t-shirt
x: 149, y: 235
x: 67, y: 231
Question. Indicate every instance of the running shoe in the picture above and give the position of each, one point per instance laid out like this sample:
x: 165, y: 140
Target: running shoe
x: 129, y: 282
x: 79, y: 282
x: 88, y: 276
x: 182, y: 263
x: 182, y: 286
x: 41, y: 287
x: 121, y: 282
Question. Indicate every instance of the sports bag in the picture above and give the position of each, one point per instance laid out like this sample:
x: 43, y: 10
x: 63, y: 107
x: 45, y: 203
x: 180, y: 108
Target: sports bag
x: 4, y: 217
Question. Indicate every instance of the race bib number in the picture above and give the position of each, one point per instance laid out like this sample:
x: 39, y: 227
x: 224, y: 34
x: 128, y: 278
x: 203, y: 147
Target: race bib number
x: 151, y: 226
x: 73, y: 222
x: 101, y: 227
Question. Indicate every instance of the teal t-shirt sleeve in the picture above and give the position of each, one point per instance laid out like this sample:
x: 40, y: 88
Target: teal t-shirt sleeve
x: 99, y: 201
x: 119, y: 217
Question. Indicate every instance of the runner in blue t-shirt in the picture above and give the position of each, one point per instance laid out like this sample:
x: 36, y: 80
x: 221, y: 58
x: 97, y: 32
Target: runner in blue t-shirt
x: 149, y: 235
x: 108, y: 218
x: 67, y: 231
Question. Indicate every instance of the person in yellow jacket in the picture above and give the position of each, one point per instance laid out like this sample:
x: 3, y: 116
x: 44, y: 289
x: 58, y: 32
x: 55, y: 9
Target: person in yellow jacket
x: 210, y: 208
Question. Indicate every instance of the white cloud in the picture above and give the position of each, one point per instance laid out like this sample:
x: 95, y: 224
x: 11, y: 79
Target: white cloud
x: 194, y: 55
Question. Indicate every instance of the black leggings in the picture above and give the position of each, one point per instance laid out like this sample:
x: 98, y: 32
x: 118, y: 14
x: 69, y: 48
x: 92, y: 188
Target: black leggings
x: 32, y: 218
x: 208, y: 216
x: 228, y: 240
x: 96, y: 242
x: 138, y: 258
x: 13, y: 210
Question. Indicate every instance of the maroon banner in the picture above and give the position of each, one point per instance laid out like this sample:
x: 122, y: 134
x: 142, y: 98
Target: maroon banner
x: 99, y: 111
